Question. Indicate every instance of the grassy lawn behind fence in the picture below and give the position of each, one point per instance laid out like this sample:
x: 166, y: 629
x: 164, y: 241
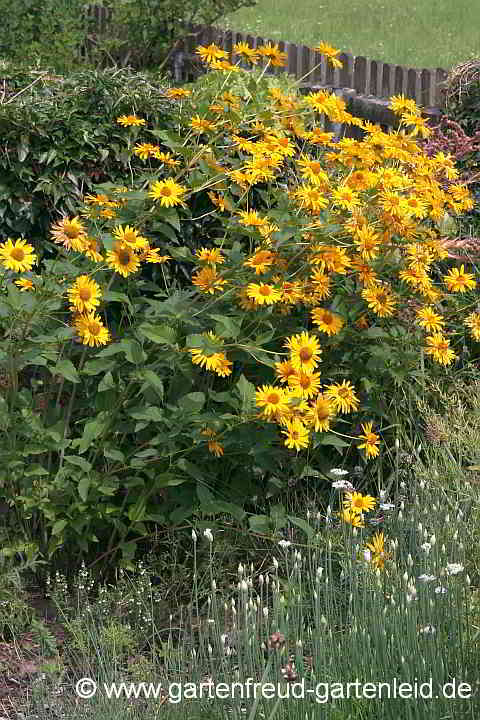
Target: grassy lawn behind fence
x: 425, y: 33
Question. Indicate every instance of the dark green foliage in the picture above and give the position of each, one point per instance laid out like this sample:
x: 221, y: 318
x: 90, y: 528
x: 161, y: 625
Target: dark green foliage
x: 60, y: 137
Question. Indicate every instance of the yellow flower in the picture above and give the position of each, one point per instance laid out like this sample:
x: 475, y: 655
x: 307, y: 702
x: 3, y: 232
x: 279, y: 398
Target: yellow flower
x: 399, y: 104
x: 296, y: 435
x: 430, y: 320
x: 321, y: 283
x: 438, y: 347
x: 261, y: 261
x: 263, y: 294
x: 210, y: 255
x: 168, y: 192
x: 330, y: 52
x: 91, y: 330
x: 380, y: 300
x: 371, y: 440
x: 250, y: 218
x: 246, y: 52
x: 273, y: 400
x: 127, y: 120
x: 131, y: 237
x: 122, y: 259
x: 84, y: 296
x: 211, y: 52
x: 273, y: 54
x: 343, y: 396
x: 24, y: 284
x: 17, y: 255
x: 326, y: 321
x: 70, y: 233
x: 177, y: 93
x: 352, y: 518
x: 145, y: 150
x: 91, y: 249
x: 376, y: 551
x: 305, y: 352
x: 284, y: 370
x: 208, y: 281
x: 305, y: 384
x: 473, y: 322
x: 152, y: 256
x: 320, y: 413
x: 346, y: 198
x: 201, y: 124
x: 358, y: 503
x: 458, y: 280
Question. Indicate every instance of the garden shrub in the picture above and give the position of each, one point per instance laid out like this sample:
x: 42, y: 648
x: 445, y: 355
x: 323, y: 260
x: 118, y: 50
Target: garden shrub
x: 60, y: 139
x: 46, y: 31
x: 144, y: 33
x: 319, y: 285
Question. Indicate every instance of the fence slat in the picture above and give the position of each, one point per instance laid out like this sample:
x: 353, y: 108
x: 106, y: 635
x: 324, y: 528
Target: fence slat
x: 367, y: 77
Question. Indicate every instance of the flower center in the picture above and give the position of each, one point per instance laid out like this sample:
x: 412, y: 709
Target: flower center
x: 71, y: 231
x: 273, y: 398
x: 85, y: 294
x: 305, y: 354
x: 94, y: 328
x: 265, y: 290
x: 18, y: 254
x: 124, y: 257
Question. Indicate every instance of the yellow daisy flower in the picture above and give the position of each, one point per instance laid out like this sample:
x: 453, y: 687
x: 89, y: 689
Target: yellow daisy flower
x: 122, y: 259
x: 326, y: 321
x: 69, y: 232
x: 305, y: 352
x: 85, y: 295
x: 127, y: 120
x: 343, y: 396
x: 371, y: 440
x: 273, y: 400
x: 168, y: 192
x: 17, y: 255
x: 263, y: 294
x: 457, y: 280
x: 296, y: 435
x: 24, y: 284
x: 91, y: 330
x: 358, y: 503
x: 208, y: 281
x: 320, y: 413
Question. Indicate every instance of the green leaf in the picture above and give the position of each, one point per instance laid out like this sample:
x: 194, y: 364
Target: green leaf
x: 133, y: 351
x: 180, y: 253
x: 246, y: 391
x: 98, y: 365
x: 153, y: 380
x: 113, y: 296
x: 79, y: 462
x: 149, y: 412
x: 259, y: 523
x: 92, y: 430
x: 192, y: 402
x: 169, y: 480
x: 106, y: 383
x: 83, y: 487
x: 331, y: 439
x: 227, y: 327
x: 36, y: 470
x: 59, y: 527
x: 303, y: 525
x: 160, y: 334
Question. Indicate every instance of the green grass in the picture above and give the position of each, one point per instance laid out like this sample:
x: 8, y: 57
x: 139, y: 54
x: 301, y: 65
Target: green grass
x: 425, y: 33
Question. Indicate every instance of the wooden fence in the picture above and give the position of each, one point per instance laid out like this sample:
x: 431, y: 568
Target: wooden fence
x: 364, y: 84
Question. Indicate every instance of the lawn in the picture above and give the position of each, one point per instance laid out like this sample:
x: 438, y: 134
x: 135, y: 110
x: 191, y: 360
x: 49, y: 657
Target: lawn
x: 419, y: 34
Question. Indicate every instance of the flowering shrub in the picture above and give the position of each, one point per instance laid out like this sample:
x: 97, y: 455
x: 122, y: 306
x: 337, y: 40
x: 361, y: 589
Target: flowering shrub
x: 311, y: 295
